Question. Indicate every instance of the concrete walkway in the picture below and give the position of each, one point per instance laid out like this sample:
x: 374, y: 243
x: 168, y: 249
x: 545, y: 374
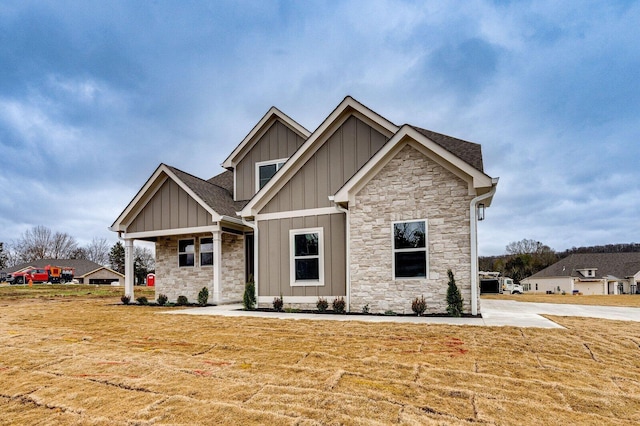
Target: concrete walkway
x: 494, y: 313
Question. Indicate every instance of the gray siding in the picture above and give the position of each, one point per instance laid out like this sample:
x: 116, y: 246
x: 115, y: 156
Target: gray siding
x: 170, y: 207
x: 277, y: 142
x: 346, y: 150
x: 274, y: 256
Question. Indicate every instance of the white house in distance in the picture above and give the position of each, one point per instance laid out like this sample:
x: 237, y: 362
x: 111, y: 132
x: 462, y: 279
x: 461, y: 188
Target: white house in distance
x: 589, y: 273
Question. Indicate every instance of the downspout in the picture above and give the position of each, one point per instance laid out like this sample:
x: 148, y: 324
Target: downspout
x: 473, y: 208
x: 254, y: 226
x: 348, y: 254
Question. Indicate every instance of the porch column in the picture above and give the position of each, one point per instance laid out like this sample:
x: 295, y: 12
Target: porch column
x: 615, y: 288
x: 217, y: 265
x: 128, y: 267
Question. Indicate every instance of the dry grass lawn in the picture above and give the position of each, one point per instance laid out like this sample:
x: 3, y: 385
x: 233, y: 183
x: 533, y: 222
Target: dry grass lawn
x: 91, y: 361
x: 631, y: 300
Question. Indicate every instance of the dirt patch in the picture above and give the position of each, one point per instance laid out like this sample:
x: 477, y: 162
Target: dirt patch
x: 92, y: 361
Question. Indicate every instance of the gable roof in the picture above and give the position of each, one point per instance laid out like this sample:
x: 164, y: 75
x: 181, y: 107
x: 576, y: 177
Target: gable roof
x: 215, y: 199
x: 349, y: 106
x: 452, y: 151
x: 82, y: 266
x: 619, y: 265
x: 258, y: 130
x: 223, y: 180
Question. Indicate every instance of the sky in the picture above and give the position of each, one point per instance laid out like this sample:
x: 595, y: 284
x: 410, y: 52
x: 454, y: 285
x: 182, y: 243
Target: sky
x: 94, y: 95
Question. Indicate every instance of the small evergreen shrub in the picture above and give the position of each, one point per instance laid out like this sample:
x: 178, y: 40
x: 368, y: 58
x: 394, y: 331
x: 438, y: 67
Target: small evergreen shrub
x: 203, y: 296
x: 322, y: 304
x: 162, y: 299
x: 249, y: 296
x: 182, y: 301
x: 365, y: 309
x: 390, y: 312
x: 454, y: 298
x: 419, y: 305
x: 278, y: 303
x: 142, y: 300
x: 125, y: 299
x: 339, y: 305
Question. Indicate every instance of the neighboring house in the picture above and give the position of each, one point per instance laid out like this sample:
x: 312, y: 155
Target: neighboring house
x: 359, y: 208
x: 86, y: 271
x: 589, y: 273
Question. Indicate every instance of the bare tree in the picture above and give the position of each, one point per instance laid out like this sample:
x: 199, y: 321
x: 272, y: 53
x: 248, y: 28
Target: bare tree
x: 98, y: 251
x: 39, y: 243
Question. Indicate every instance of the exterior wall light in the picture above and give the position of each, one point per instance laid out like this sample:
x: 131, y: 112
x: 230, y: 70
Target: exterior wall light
x: 481, y: 211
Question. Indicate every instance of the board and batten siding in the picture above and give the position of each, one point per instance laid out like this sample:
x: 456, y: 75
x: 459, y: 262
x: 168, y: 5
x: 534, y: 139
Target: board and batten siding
x: 274, y: 259
x: 170, y: 208
x: 279, y: 141
x: 344, y: 152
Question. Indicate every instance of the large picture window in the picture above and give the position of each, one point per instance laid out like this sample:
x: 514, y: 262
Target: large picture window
x: 206, y: 251
x: 186, y: 252
x: 265, y: 171
x: 410, y: 249
x: 307, y: 257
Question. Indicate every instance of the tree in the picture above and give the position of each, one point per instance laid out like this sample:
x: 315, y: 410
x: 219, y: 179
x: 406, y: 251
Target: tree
x: 4, y: 259
x: 454, y: 298
x: 40, y: 243
x: 98, y: 251
x: 116, y: 257
x: 143, y: 263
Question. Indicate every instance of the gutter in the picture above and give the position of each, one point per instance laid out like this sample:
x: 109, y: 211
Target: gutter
x: 347, y: 252
x: 473, y: 209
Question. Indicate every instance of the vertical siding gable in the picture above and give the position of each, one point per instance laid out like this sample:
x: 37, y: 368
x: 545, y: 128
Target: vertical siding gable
x: 279, y: 141
x: 169, y: 208
x: 339, y: 158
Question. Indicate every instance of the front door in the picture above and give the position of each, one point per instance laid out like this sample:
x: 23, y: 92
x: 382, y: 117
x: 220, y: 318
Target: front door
x: 248, y: 256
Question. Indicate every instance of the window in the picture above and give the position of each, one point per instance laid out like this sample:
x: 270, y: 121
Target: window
x: 265, y: 171
x: 410, y: 249
x: 307, y: 257
x: 206, y: 251
x: 186, y: 253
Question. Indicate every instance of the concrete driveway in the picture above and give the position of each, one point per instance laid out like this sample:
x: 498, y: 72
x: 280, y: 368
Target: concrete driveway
x: 494, y: 313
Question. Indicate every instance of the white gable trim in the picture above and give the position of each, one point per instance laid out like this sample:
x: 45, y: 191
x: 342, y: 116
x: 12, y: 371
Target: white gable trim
x: 153, y: 184
x: 259, y: 129
x: 338, y: 116
x: 407, y: 135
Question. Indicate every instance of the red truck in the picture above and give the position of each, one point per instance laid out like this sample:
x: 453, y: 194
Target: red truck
x: 48, y: 274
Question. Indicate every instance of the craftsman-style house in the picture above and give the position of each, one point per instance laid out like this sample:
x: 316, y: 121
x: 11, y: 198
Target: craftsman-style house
x: 360, y: 208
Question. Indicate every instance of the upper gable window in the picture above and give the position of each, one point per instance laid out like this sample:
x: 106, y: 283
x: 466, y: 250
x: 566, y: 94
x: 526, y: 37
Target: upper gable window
x: 265, y: 171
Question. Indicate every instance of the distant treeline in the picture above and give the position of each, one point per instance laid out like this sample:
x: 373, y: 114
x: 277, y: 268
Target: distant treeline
x: 526, y: 257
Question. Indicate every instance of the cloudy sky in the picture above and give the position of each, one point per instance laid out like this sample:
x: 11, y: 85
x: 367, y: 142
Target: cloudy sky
x: 94, y: 95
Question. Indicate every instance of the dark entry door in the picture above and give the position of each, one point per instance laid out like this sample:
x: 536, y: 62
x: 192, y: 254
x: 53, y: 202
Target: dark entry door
x: 248, y: 256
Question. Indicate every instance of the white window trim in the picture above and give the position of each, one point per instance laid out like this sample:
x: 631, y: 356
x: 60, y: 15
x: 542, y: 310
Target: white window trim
x: 292, y: 258
x: 201, y: 251
x: 394, y: 250
x: 186, y: 252
x: 267, y: 163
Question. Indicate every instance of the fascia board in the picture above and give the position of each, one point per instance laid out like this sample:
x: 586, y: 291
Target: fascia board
x: 117, y: 224
x: 373, y: 166
x: 262, y: 125
x: 297, y: 160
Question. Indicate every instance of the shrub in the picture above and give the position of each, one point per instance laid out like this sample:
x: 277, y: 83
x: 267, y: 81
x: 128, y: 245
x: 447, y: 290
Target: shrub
x: 182, y: 301
x: 142, y: 300
x: 390, y: 312
x: 126, y: 299
x: 162, y: 299
x: 249, y: 296
x: 365, y: 309
x: 339, y: 305
x: 322, y: 304
x: 203, y: 296
x: 419, y: 305
x: 454, y: 298
x: 278, y: 303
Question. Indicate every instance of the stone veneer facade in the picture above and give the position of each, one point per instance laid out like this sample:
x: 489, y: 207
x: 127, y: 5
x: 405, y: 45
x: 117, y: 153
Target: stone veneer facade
x: 175, y: 281
x: 411, y: 186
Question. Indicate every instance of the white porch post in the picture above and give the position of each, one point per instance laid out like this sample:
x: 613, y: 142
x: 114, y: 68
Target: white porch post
x: 128, y: 267
x: 217, y: 265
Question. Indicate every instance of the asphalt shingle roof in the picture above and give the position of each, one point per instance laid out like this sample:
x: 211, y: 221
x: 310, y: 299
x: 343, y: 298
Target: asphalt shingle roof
x: 81, y: 266
x: 220, y: 199
x: 467, y: 151
x: 619, y: 265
